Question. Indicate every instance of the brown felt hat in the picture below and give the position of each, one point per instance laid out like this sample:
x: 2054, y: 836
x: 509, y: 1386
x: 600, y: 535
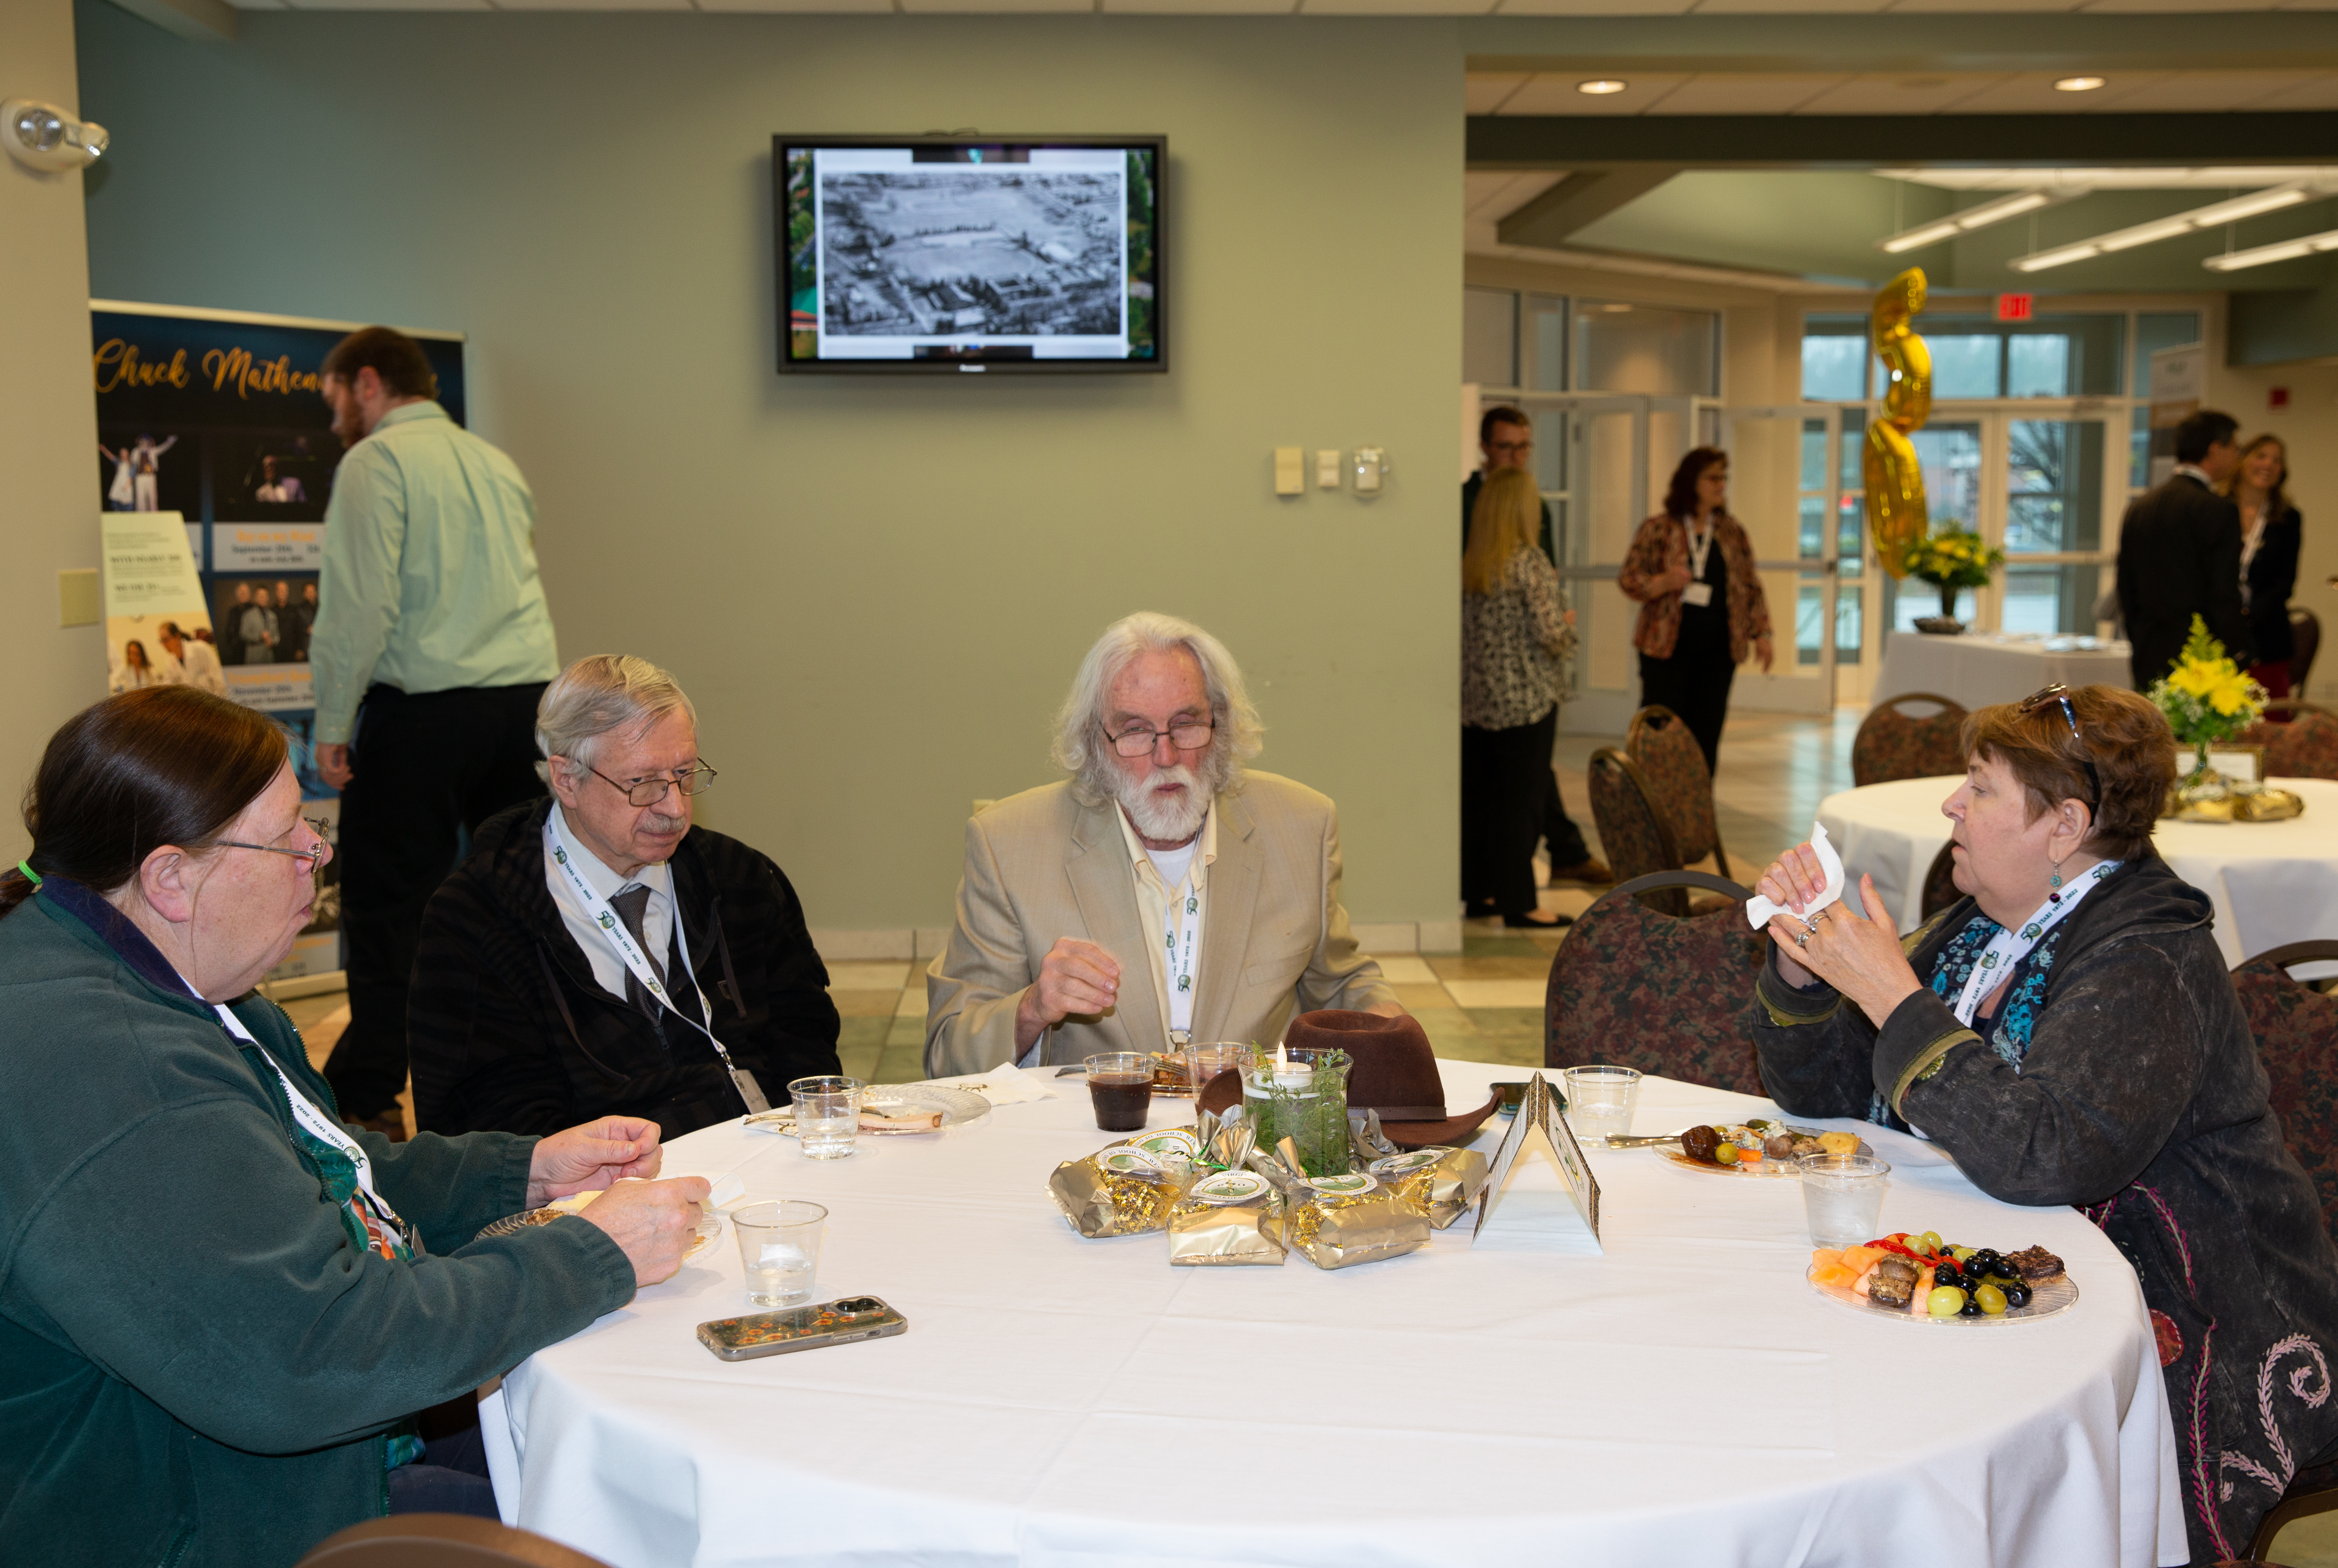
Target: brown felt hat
x: 1394, y: 1074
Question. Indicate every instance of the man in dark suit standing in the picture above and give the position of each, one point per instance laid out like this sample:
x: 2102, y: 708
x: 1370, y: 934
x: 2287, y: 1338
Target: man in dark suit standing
x: 1506, y: 439
x: 2180, y: 553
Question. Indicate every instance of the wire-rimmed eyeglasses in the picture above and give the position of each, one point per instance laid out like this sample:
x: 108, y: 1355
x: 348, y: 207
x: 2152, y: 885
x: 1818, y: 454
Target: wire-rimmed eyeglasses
x: 2060, y: 692
x: 316, y: 856
x: 696, y: 779
x: 1186, y: 734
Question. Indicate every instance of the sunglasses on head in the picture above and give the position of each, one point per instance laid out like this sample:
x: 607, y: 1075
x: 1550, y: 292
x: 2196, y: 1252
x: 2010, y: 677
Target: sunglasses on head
x: 2059, y: 693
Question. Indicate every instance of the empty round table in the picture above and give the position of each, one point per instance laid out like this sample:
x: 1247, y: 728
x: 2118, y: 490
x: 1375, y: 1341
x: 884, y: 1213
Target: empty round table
x: 1980, y: 668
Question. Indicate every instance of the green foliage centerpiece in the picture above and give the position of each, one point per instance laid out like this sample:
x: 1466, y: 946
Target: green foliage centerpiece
x: 1302, y: 1095
x: 1951, y: 559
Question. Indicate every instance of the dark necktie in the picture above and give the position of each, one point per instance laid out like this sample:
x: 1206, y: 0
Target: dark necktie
x: 630, y: 905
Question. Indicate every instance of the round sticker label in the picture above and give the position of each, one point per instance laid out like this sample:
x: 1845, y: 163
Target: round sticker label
x: 1354, y: 1186
x: 1229, y: 1187
x: 1169, y: 1141
x: 1406, y: 1164
x: 1131, y: 1162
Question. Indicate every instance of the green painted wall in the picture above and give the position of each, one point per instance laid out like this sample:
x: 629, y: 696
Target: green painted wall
x: 877, y: 589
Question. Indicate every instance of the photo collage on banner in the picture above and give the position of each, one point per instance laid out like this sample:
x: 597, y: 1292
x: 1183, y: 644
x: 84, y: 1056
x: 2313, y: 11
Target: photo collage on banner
x: 216, y: 421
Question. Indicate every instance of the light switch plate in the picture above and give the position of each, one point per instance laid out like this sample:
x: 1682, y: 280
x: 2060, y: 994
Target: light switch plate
x: 1287, y: 470
x: 78, y: 603
x: 1327, y: 469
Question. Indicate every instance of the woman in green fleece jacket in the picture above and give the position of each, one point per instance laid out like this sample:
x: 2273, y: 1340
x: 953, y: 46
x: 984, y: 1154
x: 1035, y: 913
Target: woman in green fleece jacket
x: 219, y: 1305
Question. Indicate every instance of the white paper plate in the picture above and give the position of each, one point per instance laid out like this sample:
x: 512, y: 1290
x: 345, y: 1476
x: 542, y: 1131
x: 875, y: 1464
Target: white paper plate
x: 2047, y: 1301
x: 1767, y: 1170
x: 960, y: 1108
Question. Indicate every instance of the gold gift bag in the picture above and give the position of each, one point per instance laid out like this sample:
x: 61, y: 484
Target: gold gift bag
x: 1220, y: 1221
x: 1119, y: 1190
x: 1338, y: 1221
x: 1440, y: 1182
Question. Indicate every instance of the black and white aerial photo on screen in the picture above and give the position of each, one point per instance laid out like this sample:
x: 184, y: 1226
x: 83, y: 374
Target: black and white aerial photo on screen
x: 1006, y: 251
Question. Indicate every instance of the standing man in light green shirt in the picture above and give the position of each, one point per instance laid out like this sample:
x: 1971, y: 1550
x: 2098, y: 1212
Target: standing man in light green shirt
x: 431, y: 646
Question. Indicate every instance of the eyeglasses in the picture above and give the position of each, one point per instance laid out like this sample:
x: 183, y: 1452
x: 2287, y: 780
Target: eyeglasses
x: 1186, y: 734
x: 2059, y: 693
x: 695, y: 780
x: 316, y: 857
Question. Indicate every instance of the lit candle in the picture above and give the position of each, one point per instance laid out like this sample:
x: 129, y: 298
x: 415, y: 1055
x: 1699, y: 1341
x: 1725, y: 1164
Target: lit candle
x: 1289, y: 1074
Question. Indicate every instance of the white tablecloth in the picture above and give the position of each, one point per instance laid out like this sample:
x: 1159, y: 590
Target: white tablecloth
x: 2271, y: 882
x: 1684, y: 1398
x: 1982, y: 668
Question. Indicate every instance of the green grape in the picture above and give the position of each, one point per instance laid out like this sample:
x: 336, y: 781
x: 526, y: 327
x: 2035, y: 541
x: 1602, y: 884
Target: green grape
x: 1945, y: 1301
x: 1991, y: 1299
x: 1931, y: 1242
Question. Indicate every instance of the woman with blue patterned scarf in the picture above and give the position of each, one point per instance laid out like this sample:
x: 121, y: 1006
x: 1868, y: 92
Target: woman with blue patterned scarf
x: 2066, y: 1032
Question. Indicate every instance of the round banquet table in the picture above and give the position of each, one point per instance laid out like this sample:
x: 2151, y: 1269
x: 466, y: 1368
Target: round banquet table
x: 2271, y: 882
x: 1686, y: 1398
x: 1979, y: 668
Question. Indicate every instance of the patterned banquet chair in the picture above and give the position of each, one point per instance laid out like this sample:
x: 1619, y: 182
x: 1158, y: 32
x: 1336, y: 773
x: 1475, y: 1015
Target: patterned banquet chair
x: 1633, y: 830
x: 2304, y: 748
x: 2297, y: 1030
x: 2306, y: 634
x: 1656, y: 992
x: 1672, y: 764
x: 1894, y: 745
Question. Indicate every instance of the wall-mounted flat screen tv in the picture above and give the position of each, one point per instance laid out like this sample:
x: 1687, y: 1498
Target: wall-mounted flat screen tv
x: 952, y: 254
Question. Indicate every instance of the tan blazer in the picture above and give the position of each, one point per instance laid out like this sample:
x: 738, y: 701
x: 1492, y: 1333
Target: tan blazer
x: 1040, y: 866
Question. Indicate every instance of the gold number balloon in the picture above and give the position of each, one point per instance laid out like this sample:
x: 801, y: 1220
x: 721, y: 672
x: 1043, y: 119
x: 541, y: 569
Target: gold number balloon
x: 1895, y: 480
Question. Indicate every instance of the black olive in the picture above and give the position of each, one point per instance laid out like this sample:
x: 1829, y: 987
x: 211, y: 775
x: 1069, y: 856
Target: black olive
x: 1971, y: 1308
x: 2016, y: 1294
x: 1947, y: 1276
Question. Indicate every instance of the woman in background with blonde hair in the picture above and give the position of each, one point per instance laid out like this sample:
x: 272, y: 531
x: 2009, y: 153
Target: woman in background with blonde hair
x: 1516, y: 634
x: 2271, y: 534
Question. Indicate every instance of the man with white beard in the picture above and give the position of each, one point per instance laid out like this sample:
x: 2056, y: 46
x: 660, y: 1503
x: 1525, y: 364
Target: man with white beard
x: 1162, y: 892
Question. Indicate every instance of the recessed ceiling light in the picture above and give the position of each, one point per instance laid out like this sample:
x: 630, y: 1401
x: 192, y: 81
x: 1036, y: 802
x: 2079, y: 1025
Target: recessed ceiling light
x: 1601, y: 87
x: 2077, y: 83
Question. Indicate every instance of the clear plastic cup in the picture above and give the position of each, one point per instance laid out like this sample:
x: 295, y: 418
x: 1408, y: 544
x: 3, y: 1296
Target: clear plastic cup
x: 1121, y: 1085
x: 778, y: 1248
x: 1205, y: 1062
x: 828, y: 1115
x: 1842, y: 1197
x: 1600, y: 1100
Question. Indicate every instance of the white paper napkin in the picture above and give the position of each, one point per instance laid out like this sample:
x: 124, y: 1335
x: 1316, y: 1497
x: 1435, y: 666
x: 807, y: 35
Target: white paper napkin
x: 1759, y: 910
x: 1004, y: 1085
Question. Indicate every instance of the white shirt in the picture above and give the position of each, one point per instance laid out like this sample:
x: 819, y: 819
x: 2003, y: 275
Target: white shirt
x: 657, y: 919
x: 2196, y: 473
x: 1156, y: 892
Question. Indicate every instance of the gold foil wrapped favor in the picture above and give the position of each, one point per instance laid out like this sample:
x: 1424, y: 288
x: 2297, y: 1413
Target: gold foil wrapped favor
x: 1338, y: 1221
x: 1115, y: 1192
x: 1440, y: 1183
x: 1219, y: 1221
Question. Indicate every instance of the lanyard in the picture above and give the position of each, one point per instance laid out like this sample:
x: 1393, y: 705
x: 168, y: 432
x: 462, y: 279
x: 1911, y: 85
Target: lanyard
x: 597, y: 910
x: 1180, y: 941
x: 322, y: 1127
x: 1700, y: 547
x: 2010, y: 946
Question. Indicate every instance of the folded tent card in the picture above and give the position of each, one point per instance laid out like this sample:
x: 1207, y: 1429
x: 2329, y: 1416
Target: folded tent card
x: 1760, y: 910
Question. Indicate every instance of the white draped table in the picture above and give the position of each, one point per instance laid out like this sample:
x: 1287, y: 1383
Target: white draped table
x: 1977, y: 668
x: 1684, y: 1398
x: 2271, y: 883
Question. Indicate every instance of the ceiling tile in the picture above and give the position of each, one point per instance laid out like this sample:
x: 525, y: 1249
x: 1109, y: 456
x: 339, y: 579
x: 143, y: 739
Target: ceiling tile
x: 597, y: 6
x: 2175, y: 5
x: 1555, y: 94
x: 1200, y: 7
x: 1483, y: 92
x: 1748, y: 94
x: 387, y: 5
x: 1967, y: 5
x: 996, y: 6
x: 2033, y: 92
x: 2197, y: 90
x: 787, y: 5
x: 2320, y: 92
x: 1493, y: 194
x: 1396, y: 7
x: 1912, y: 92
x: 1595, y: 7
x: 1780, y: 8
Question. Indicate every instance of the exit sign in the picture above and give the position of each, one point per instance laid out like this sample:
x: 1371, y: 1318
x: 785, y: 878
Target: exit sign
x: 2014, y: 307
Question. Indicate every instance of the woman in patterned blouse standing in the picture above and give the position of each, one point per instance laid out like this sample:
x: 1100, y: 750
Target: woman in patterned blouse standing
x: 1517, y: 633
x: 1702, y: 610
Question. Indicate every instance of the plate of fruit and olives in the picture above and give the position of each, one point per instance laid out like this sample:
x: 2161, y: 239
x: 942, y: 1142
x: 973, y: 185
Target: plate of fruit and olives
x: 1760, y: 1148
x: 1925, y: 1279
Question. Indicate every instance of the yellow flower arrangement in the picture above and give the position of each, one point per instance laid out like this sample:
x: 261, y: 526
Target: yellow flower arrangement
x: 2207, y: 697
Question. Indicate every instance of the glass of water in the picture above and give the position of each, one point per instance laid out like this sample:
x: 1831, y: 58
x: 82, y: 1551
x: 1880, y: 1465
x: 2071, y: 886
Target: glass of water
x: 1600, y: 1101
x: 1842, y: 1197
x: 779, y: 1246
x: 828, y: 1115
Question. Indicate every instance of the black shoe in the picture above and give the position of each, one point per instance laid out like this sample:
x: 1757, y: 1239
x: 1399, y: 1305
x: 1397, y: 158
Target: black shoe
x: 1528, y: 922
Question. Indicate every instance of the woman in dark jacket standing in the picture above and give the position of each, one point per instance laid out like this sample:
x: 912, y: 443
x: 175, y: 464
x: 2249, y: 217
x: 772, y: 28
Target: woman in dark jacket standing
x: 2110, y: 1068
x: 2271, y: 534
x: 1702, y: 610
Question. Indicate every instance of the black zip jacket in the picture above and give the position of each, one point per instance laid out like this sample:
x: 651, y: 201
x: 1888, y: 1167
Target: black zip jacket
x: 510, y: 1031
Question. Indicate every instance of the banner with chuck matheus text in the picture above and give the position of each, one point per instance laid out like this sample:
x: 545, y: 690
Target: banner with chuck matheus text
x: 212, y: 427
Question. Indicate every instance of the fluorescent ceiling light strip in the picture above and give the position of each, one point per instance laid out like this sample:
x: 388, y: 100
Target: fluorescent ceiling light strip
x: 2178, y: 224
x: 2143, y: 234
x: 2039, y: 260
x: 1976, y: 217
x: 1989, y: 212
x: 2282, y: 250
x: 2242, y: 207
x: 1913, y: 239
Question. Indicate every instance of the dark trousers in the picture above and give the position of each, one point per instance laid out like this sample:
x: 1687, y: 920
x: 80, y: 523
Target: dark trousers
x: 427, y: 771
x: 1696, y: 688
x: 451, y: 1477
x: 1558, y: 830
x: 1502, y: 804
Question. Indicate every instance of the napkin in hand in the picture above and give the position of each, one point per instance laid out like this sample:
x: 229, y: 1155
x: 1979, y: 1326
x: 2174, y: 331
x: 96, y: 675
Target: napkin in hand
x: 1004, y: 1085
x: 1759, y: 910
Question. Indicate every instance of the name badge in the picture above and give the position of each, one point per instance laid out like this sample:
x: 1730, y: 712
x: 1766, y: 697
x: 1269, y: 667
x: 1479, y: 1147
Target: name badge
x: 1697, y: 593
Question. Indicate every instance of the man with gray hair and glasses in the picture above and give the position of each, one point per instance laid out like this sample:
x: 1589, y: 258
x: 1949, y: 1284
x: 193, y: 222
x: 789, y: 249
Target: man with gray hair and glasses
x: 1162, y: 892
x: 597, y: 956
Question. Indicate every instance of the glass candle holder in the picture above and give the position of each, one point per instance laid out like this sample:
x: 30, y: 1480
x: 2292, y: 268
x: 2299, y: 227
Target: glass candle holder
x: 1302, y: 1095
